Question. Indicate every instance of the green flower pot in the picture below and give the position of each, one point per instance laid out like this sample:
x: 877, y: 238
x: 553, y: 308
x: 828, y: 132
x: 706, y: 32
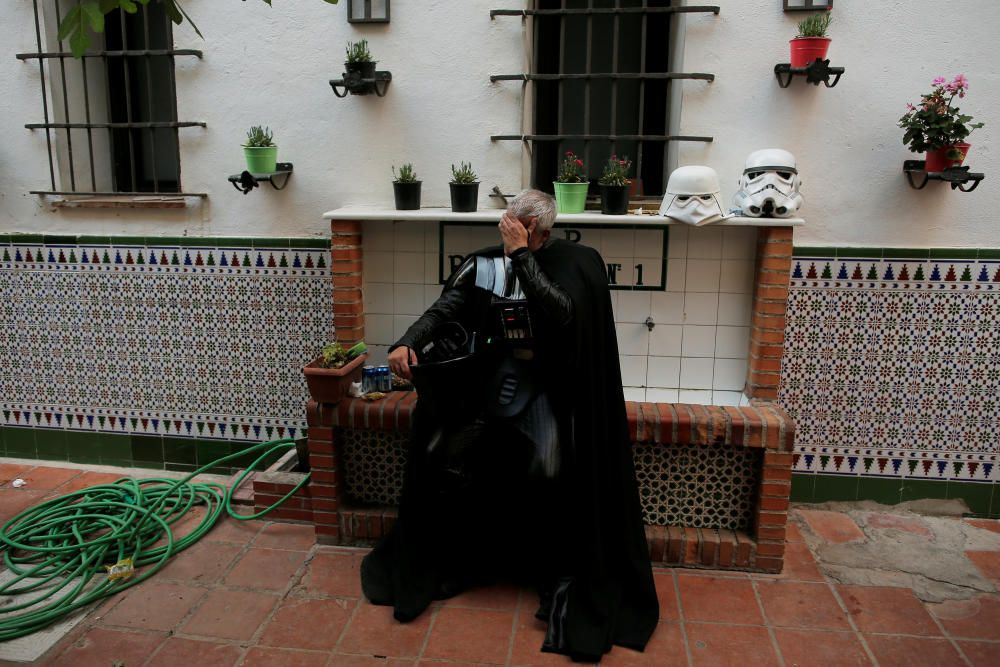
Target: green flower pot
x: 571, y: 197
x: 261, y: 159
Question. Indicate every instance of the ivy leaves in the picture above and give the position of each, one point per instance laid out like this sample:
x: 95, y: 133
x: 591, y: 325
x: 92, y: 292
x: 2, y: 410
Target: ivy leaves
x: 86, y: 19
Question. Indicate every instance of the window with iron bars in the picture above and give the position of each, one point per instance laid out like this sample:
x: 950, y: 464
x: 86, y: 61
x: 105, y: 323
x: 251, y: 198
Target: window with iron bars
x: 601, y: 84
x: 110, y: 117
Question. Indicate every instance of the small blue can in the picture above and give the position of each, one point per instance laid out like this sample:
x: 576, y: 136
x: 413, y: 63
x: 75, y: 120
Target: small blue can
x: 369, y: 379
x: 384, y: 379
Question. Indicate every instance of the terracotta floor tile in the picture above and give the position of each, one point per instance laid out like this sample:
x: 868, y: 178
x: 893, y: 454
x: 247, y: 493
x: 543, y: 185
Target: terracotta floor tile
x: 232, y: 530
x: 906, y: 524
x: 501, y: 597
x: 667, y: 595
x: 15, y: 501
x: 833, y: 527
x: 270, y: 569
x: 346, y: 660
x: 977, y: 618
x: 801, y: 605
x: 887, y: 610
x: 307, y: 624
x: 793, y: 533
x: 718, y: 600
x: 716, y: 645
x: 101, y: 647
x: 373, y: 631
x: 11, y: 471
x: 154, y: 605
x: 801, y: 648
x: 896, y: 651
x: 203, y: 561
x: 177, y: 652
x: 46, y: 478
x: 86, y: 479
x: 988, y: 563
x: 800, y: 565
x: 333, y: 573
x: 665, y: 647
x: 981, y: 654
x: 226, y: 614
x: 985, y: 524
x: 470, y: 634
x: 529, y: 634
x: 260, y: 656
x: 286, y: 536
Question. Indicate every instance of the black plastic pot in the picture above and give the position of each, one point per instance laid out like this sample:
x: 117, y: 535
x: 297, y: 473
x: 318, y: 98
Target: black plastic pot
x: 464, y: 197
x: 366, y: 70
x: 407, y: 195
x: 614, y: 199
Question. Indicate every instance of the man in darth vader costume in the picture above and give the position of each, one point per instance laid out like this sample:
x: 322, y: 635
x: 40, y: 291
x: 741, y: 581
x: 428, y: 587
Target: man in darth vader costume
x: 520, y: 466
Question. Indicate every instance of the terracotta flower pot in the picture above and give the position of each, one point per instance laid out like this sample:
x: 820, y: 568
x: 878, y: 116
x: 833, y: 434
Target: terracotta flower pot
x: 330, y: 385
x: 939, y: 160
x: 807, y: 49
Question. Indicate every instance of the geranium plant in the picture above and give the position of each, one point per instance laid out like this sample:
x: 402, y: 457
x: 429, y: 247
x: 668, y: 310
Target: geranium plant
x: 616, y: 171
x: 935, y: 122
x: 571, y: 170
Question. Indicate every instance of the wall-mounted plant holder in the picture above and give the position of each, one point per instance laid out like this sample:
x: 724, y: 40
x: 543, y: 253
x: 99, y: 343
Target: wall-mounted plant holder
x: 354, y: 84
x: 960, y: 178
x: 818, y: 71
x: 245, y: 182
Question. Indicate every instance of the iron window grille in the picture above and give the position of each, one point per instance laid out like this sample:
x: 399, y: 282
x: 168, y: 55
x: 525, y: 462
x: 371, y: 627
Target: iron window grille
x: 367, y: 11
x: 807, y: 5
x: 110, y: 117
x: 601, y: 85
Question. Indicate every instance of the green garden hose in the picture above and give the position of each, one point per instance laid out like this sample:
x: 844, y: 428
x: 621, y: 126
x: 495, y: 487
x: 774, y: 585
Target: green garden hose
x: 89, y: 544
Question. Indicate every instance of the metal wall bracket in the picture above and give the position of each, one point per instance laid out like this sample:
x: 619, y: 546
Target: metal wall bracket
x: 355, y: 85
x: 245, y: 182
x: 817, y: 71
x: 958, y: 177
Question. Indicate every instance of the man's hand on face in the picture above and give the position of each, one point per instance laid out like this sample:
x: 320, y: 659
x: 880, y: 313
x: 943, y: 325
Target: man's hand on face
x: 400, y: 361
x: 513, y: 233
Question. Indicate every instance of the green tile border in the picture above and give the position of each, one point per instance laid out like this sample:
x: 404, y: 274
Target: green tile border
x: 924, y: 254
x: 276, y: 242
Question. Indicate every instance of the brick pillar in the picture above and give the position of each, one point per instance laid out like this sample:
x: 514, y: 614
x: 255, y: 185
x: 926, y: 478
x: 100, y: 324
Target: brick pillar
x: 346, y: 263
x: 770, y: 302
x: 325, y: 467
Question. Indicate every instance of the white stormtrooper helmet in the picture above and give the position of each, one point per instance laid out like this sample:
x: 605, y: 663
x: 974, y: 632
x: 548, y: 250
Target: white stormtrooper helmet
x: 770, y: 185
x: 693, y: 196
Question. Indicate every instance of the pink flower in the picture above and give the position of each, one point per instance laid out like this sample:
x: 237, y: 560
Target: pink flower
x: 939, y: 81
x: 961, y: 81
x: 570, y: 153
x: 910, y: 107
x: 579, y: 163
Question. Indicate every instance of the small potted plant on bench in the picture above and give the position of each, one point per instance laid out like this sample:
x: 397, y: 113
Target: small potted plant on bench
x: 406, y: 188
x: 614, y: 184
x: 811, y: 42
x: 464, y: 189
x: 329, y: 376
x: 937, y: 128
x: 260, y: 150
x: 571, y: 185
x: 359, y: 60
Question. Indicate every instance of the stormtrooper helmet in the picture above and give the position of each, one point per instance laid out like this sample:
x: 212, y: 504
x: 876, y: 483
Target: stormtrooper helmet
x: 770, y: 185
x: 693, y: 196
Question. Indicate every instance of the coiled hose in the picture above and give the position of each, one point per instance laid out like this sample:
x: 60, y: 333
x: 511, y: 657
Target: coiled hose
x: 63, y: 549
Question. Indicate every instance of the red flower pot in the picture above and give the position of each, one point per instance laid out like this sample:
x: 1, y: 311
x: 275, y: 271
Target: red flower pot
x: 330, y: 385
x: 938, y: 160
x: 807, y: 49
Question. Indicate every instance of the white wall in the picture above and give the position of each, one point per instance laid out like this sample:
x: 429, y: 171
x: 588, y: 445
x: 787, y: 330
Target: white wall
x: 271, y: 66
x: 849, y: 148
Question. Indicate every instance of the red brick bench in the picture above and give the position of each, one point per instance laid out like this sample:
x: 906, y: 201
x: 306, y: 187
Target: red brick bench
x: 762, y: 427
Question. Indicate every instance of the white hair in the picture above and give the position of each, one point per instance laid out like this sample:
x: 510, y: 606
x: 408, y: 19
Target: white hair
x: 534, y: 204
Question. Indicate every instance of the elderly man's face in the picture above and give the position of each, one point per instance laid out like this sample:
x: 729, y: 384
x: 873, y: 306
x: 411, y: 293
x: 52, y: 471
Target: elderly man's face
x: 536, y: 237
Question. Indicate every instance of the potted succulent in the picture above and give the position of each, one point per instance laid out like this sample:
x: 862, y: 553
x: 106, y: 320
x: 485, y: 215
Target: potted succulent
x: 614, y: 184
x: 936, y: 127
x: 464, y: 188
x: 811, y: 42
x: 359, y: 60
x: 571, y: 185
x: 329, y: 376
x: 260, y: 150
x: 406, y: 188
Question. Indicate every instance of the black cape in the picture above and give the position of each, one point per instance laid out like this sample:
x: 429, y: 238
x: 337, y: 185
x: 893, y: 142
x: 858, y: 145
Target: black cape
x: 579, y: 539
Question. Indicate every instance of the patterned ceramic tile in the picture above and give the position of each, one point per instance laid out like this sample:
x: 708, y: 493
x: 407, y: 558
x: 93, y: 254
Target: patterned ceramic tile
x: 200, y: 341
x: 892, y: 364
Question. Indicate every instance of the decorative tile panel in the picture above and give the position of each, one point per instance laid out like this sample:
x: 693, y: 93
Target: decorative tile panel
x: 179, y: 337
x: 892, y: 363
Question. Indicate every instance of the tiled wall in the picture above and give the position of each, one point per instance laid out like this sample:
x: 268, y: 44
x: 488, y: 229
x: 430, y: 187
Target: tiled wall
x: 891, y: 371
x: 125, y: 349
x: 697, y: 350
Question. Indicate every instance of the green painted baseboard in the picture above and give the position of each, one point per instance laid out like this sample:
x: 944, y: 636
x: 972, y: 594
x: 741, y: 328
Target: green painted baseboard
x: 983, y: 499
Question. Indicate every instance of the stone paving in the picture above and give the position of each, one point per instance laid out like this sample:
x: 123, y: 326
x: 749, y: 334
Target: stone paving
x: 263, y: 593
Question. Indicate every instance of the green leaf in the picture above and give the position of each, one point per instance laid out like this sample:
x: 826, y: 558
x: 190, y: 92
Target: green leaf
x: 78, y: 42
x: 92, y: 11
x: 70, y: 23
x: 332, y: 2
